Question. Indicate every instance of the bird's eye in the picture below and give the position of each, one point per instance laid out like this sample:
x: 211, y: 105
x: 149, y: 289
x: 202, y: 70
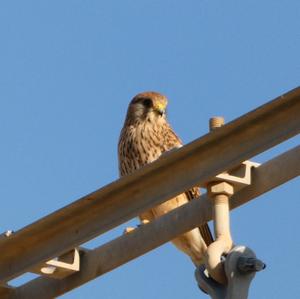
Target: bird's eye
x: 147, y: 103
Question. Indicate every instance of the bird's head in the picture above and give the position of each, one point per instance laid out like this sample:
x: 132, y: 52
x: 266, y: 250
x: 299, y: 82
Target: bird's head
x: 147, y: 106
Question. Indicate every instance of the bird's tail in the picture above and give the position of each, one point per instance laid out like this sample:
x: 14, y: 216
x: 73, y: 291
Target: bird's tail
x: 206, y: 234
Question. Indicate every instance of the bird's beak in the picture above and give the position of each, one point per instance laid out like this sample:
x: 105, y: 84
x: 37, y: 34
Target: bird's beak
x: 160, y: 108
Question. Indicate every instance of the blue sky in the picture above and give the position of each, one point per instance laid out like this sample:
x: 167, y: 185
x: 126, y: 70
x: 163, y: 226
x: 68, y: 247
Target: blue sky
x: 67, y: 72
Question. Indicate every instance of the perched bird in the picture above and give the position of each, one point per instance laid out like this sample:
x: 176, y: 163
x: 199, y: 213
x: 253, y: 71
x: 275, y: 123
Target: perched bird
x: 145, y: 136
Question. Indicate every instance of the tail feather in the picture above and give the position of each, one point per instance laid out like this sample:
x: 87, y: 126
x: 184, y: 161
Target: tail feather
x: 206, y: 234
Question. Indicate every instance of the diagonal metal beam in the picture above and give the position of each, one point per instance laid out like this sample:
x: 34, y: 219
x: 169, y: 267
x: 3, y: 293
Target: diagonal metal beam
x: 123, y: 199
x: 111, y: 255
x: 6, y: 291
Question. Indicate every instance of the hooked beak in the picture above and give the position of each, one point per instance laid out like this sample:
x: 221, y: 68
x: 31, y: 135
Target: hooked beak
x: 160, y: 108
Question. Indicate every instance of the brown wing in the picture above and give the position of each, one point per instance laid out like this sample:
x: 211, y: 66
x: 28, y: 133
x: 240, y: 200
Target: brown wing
x: 172, y: 140
x: 204, y: 229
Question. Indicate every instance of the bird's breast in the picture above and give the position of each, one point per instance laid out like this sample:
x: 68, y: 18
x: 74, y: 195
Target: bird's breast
x: 138, y: 146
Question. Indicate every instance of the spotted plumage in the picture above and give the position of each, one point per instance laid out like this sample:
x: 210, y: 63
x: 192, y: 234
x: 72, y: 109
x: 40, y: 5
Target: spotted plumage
x: 145, y: 136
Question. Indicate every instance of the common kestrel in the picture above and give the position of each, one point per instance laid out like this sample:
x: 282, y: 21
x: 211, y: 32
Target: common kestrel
x: 145, y: 136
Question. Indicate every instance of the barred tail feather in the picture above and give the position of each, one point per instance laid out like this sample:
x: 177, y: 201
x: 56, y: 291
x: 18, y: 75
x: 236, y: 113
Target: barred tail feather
x: 206, y: 234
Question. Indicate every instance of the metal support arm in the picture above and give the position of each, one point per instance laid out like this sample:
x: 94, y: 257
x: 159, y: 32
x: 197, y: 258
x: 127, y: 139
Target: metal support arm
x: 171, y: 175
x: 111, y: 255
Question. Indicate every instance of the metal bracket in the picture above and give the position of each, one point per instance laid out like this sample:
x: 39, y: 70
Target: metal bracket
x: 240, y: 267
x: 239, y: 176
x: 60, y: 267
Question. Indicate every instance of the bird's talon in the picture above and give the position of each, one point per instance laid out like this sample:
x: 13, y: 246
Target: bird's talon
x: 128, y: 230
x: 143, y: 222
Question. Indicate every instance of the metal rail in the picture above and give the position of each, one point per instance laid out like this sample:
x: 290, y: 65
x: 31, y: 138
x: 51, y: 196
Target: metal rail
x: 109, y: 256
x: 123, y: 199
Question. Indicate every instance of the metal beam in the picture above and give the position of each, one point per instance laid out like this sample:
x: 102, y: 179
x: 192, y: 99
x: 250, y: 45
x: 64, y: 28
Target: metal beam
x: 147, y: 237
x: 175, y: 172
x: 6, y: 291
